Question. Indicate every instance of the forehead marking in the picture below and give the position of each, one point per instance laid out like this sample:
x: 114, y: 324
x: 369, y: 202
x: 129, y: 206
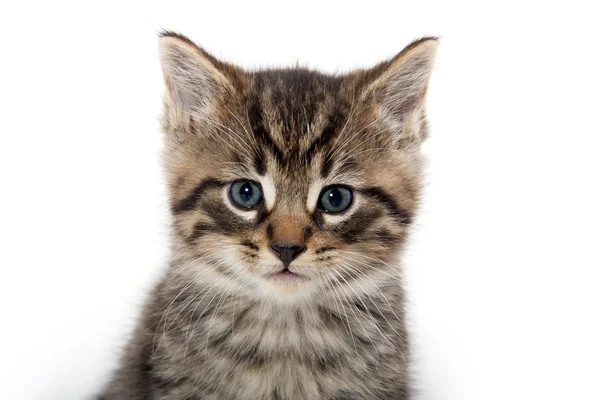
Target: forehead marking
x: 257, y: 124
x: 324, y: 138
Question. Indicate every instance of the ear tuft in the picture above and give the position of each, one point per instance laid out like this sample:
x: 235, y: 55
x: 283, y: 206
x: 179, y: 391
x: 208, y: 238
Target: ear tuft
x: 401, y: 87
x: 177, y: 35
x: 192, y: 76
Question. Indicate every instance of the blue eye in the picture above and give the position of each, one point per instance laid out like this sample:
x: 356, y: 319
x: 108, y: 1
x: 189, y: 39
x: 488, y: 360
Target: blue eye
x: 245, y: 194
x: 335, y: 199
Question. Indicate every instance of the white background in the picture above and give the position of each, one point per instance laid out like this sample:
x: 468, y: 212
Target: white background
x: 504, y: 264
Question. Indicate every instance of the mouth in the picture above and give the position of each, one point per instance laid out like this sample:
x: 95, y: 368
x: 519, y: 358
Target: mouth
x: 286, y: 276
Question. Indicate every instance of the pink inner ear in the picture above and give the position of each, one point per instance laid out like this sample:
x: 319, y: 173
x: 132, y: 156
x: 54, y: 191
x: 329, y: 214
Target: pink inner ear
x: 405, y: 90
x: 402, y: 86
x: 188, y: 80
x: 186, y: 100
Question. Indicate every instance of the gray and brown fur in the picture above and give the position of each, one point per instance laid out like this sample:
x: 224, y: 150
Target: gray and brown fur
x: 214, y: 327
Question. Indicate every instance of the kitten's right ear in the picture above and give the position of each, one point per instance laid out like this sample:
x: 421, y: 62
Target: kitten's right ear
x: 193, y: 77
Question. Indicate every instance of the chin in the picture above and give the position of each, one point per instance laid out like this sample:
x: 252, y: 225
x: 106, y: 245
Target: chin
x: 286, y: 287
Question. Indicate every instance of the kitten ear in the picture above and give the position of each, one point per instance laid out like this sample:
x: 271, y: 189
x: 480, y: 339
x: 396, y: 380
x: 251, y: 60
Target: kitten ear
x: 193, y: 77
x: 401, y: 85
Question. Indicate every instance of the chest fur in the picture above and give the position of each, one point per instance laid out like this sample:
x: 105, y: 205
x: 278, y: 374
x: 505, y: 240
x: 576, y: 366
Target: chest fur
x: 244, y: 351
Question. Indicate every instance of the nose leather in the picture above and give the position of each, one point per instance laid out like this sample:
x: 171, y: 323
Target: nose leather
x: 287, y: 252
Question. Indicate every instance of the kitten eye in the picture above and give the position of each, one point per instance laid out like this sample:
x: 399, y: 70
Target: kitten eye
x: 335, y: 199
x: 245, y: 194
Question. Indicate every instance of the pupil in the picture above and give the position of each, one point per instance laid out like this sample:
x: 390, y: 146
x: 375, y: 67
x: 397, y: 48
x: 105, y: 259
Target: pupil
x: 246, y: 192
x: 335, y: 198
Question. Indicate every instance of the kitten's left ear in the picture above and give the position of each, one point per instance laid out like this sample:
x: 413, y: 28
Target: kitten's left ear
x: 400, y: 85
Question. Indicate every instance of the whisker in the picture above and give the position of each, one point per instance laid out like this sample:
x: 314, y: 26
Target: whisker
x: 354, y: 312
x: 254, y: 143
x: 380, y: 294
x: 378, y: 261
x: 220, y: 127
x: 342, y: 147
x: 346, y: 314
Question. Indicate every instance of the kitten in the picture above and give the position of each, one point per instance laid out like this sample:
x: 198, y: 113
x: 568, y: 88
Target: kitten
x: 292, y: 193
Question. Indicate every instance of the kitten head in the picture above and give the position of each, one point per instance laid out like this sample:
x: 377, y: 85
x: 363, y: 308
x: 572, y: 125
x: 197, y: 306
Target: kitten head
x: 286, y: 183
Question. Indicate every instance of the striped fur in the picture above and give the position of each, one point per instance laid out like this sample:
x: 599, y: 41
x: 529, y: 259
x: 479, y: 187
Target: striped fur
x: 217, y: 326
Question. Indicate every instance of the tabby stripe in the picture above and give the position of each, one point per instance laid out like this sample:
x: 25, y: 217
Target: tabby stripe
x: 189, y: 203
x: 308, y: 232
x: 400, y: 214
x: 260, y: 132
x: 239, y: 317
x: 326, y: 136
x: 260, y: 164
x: 200, y: 229
x: 225, y: 220
x: 352, y: 230
x: 262, y: 215
x: 267, y: 140
x: 331, y: 318
x: 327, y: 166
x: 250, y: 244
x: 324, y: 249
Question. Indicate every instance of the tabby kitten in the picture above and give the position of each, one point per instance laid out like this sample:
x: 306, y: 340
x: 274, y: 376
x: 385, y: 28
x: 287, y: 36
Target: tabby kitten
x: 291, y: 193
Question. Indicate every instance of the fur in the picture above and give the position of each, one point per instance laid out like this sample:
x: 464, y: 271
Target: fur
x: 218, y: 325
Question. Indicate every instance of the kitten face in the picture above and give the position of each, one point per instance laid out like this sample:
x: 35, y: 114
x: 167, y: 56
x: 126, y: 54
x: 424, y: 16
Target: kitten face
x: 285, y: 183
